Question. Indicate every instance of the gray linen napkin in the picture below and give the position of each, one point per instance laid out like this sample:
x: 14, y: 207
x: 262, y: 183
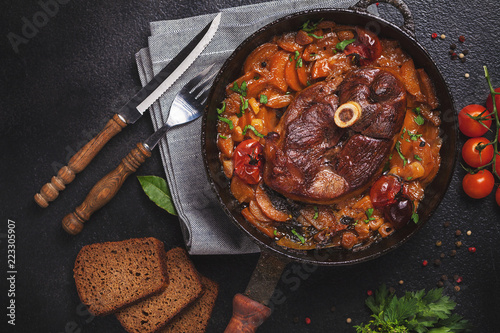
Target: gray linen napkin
x: 206, y: 228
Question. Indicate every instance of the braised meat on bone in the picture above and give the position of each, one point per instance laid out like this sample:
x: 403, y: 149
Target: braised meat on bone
x: 312, y: 158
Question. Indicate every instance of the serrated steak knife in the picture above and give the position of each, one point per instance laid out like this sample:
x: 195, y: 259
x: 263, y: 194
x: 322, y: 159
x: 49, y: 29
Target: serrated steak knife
x: 129, y: 113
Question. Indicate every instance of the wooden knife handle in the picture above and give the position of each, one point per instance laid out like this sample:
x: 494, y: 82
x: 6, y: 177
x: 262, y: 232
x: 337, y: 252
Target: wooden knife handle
x: 248, y: 315
x: 78, y: 162
x: 105, y: 190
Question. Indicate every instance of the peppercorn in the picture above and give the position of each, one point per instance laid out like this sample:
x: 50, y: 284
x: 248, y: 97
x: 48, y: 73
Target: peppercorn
x: 401, y: 282
x: 465, y: 52
x: 454, y: 56
x: 439, y: 243
x: 332, y: 309
x: 437, y: 262
x: 466, y: 75
x: 443, y: 36
x: 444, y: 277
x: 453, y: 46
x: 348, y: 320
x: 425, y: 263
x: 458, y: 232
x: 461, y: 39
x: 295, y: 320
x: 458, y: 243
x: 472, y: 249
x: 463, y: 60
x: 453, y: 253
x: 308, y: 320
x: 446, y: 224
x: 369, y: 292
x: 457, y: 288
x: 458, y: 279
x: 434, y: 35
x: 442, y: 255
x: 440, y: 284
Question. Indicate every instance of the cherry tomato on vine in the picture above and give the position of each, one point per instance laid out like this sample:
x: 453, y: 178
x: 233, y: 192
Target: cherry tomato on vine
x: 489, y: 101
x: 477, y: 152
x: 383, y: 192
x: 248, y: 161
x: 474, y: 127
x: 478, y: 185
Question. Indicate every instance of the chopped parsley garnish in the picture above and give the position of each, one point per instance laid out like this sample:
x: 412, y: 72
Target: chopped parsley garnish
x: 222, y: 136
x: 297, y: 55
x: 243, y: 107
x: 415, y: 218
x: 299, y: 236
x: 250, y: 127
x: 263, y: 99
x: 227, y: 121
x: 418, y: 158
x: 222, y: 109
x: 409, y: 178
x: 342, y: 45
x: 240, y: 90
x: 398, y: 149
x: 419, y: 120
x: 314, y: 36
x: 310, y: 27
x: 369, y: 213
x: 316, y: 212
x: 298, y: 63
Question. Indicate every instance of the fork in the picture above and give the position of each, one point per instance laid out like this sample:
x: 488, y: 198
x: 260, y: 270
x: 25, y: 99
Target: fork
x: 186, y: 107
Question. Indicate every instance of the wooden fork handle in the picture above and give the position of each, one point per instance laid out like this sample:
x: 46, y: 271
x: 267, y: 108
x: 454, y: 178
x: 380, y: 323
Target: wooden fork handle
x: 105, y: 190
x: 78, y: 162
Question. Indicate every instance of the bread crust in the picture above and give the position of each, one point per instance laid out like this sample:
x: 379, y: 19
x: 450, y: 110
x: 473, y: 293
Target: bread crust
x: 103, y: 280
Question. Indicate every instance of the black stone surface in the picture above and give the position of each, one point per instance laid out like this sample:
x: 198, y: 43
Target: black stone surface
x: 70, y: 74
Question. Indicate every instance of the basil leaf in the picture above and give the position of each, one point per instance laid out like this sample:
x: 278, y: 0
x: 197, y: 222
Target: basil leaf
x: 263, y: 99
x: 342, y: 45
x: 156, y: 189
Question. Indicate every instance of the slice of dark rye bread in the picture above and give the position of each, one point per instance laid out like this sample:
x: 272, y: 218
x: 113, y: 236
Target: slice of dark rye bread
x: 156, y: 311
x: 194, y: 319
x: 112, y: 275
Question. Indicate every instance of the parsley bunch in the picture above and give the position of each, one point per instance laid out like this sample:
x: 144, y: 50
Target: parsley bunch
x: 414, y: 312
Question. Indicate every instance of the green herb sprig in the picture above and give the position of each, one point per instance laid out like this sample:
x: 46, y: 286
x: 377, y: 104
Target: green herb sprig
x: 418, y: 311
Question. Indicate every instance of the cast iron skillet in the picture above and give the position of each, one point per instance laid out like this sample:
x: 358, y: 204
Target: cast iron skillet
x: 274, y: 257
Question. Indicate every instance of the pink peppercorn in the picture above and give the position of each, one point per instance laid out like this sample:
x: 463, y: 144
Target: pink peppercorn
x: 461, y: 39
x: 458, y: 279
x: 308, y: 320
x: 425, y: 263
x: 369, y: 292
x: 434, y: 35
x: 472, y: 249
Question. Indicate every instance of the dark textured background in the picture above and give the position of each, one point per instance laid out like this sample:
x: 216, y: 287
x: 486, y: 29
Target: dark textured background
x: 65, y: 83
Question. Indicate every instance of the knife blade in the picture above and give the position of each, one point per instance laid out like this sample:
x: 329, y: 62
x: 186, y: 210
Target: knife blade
x: 129, y: 113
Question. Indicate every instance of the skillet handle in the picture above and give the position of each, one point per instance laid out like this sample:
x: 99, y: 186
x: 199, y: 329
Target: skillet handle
x: 409, y: 22
x: 251, y: 310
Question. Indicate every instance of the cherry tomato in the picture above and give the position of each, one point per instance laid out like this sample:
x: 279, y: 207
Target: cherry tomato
x: 497, y: 196
x: 472, y: 127
x: 383, y: 192
x: 478, y: 185
x: 489, y: 101
x: 248, y: 161
x: 400, y: 212
x: 477, y: 153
